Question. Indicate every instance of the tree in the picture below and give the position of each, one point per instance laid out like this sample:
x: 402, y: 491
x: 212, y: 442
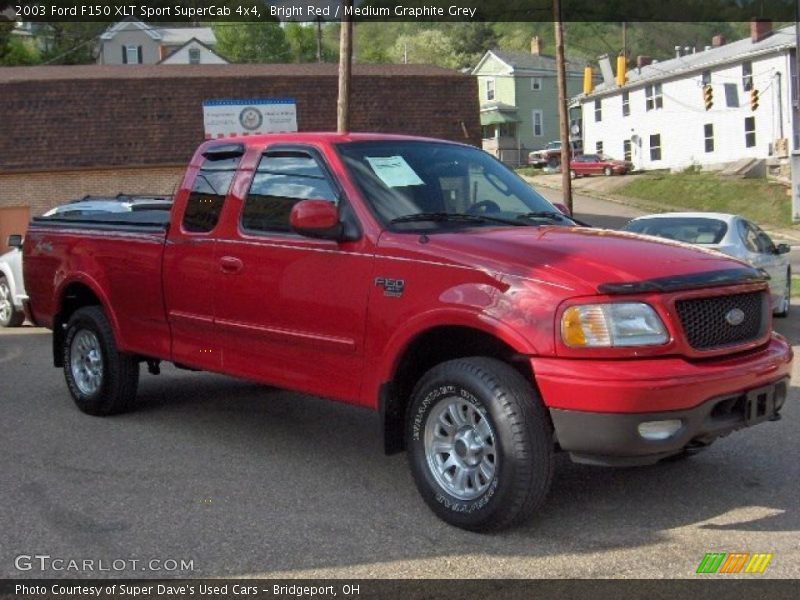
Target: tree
x: 261, y: 42
x: 428, y: 47
x: 71, y: 43
x: 17, y: 53
x: 471, y: 41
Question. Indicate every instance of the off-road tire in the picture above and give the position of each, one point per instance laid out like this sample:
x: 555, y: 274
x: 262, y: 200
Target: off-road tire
x: 120, y: 372
x: 522, y: 434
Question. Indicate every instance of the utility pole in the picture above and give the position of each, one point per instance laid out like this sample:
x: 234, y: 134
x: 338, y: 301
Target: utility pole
x: 625, y: 40
x: 319, y: 39
x: 345, y: 65
x: 563, y: 116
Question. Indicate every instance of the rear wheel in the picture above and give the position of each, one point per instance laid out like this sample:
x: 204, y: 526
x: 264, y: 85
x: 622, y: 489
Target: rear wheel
x: 608, y: 172
x: 102, y: 380
x: 786, y: 300
x: 480, y: 444
x: 573, y: 174
x: 9, y: 316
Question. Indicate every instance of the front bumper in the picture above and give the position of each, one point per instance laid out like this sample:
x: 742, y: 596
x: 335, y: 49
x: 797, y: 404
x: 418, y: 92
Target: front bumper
x: 597, y: 405
x: 611, y: 439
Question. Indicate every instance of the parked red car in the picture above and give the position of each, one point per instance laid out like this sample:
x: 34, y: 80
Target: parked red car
x: 423, y: 280
x: 598, y: 164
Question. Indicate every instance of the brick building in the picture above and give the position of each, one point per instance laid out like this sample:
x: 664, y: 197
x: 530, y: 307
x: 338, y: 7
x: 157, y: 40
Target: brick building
x: 68, y: 131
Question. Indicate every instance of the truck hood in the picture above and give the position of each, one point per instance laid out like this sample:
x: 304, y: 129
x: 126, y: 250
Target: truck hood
x: 581, y: 259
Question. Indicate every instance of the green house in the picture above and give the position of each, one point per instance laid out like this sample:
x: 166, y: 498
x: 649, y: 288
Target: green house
x: 519, y: 100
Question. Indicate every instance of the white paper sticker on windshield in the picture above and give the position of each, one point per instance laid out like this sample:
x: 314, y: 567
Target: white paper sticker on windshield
x: 394, y: 171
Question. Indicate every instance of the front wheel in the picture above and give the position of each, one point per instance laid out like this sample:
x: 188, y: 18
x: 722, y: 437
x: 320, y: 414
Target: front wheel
x: 480, y: 444
x: 102, y: 380
x: 608, y: 172
x: 573, y: 174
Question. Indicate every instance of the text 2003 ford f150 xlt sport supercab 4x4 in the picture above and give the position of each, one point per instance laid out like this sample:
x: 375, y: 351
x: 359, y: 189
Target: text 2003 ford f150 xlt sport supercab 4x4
x: 424, y: 280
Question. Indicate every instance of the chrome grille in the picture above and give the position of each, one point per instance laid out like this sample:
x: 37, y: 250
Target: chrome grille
x: 706, y: 321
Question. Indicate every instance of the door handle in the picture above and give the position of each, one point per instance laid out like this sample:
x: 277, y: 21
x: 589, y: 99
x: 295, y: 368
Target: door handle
x: 230, y: 264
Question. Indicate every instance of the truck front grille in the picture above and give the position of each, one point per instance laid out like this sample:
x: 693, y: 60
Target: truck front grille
x: 721, y: 321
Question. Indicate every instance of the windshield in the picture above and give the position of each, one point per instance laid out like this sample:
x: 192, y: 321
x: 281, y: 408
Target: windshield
x: 683, y: 229
x: 424, y: 185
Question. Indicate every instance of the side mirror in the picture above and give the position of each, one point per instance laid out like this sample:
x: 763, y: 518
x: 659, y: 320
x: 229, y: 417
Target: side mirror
x: 562, y: 209
x: 779, y: 249
x: 14, y: 241
x: 316, y: 219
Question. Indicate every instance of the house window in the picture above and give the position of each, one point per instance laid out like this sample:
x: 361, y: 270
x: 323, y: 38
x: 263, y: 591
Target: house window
x: 626, y: 104
x: 708, y: 133
x: 731, y: 95
x: 747, y: 76
x: 132, y: 55
x: 538, y: 119
x: 598, y: 146
x: 194, y: 56
x: 626, y: 150
x: 750, y: 132
x: 706, y: 78
x: 653, y: 97
x: 490, y: 89
x: 655, y: 147
x: 598, y: 111
x: 536, y: 84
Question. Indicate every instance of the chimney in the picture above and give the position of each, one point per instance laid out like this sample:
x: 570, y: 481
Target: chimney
x: 536, y: 45
x: 718, y: 40
x: 760, y: 29
x: 643, y: 61
x: 605, y: 69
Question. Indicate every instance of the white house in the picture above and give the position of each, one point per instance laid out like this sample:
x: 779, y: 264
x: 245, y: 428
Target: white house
x: 133, y: 42
x: 659, y: 119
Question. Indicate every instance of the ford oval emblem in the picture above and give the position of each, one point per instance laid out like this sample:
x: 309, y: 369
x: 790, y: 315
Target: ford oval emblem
x: 735, y: 317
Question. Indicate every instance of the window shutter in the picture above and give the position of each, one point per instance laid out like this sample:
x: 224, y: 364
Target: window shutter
x: 124, y: 55
x: 139, y: 49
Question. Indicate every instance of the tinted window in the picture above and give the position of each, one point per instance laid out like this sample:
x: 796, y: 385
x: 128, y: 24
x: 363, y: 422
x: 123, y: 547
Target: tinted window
x: 683, y: 229
x: 208, y: 194
x: 280, y: 182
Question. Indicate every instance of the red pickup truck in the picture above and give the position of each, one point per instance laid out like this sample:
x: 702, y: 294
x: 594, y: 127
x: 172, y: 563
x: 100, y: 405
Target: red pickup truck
x: 426, y: 281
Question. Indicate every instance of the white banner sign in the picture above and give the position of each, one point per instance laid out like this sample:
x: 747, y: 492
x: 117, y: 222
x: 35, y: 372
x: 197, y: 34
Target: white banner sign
x: 227, y: 118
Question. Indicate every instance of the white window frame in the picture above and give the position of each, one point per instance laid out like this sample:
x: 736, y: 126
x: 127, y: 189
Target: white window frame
x: 135, y: 50
x: 750, y: 132
x: 598, y: 110
x: 707, y: 137
x: 536, y: 84
x: 660, y: 147
x: 654, y: 96
x: 540, y: 113
x: 194, y: 52
x: 598, y: 146
x: 490, y: 88
x: 627, y: 150
x: 626, y: 103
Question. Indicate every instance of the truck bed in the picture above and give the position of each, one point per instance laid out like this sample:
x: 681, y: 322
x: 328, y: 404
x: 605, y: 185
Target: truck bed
x: 124, y: 250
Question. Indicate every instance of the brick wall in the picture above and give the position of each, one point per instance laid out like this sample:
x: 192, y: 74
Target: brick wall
x: 44, y: 190
x: 84, y: 119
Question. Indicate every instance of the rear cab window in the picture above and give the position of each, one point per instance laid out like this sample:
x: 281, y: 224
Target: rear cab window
x: 210, y: 188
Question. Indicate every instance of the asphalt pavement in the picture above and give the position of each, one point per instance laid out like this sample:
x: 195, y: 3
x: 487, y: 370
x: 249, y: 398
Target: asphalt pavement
x: 244, y: 480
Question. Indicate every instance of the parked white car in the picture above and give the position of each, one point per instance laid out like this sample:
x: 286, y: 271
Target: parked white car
x: 732, y: 235
x: 12, y: 286
x: 12, y: 290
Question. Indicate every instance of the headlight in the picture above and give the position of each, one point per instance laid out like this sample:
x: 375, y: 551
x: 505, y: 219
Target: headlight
x: 612, y: 325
